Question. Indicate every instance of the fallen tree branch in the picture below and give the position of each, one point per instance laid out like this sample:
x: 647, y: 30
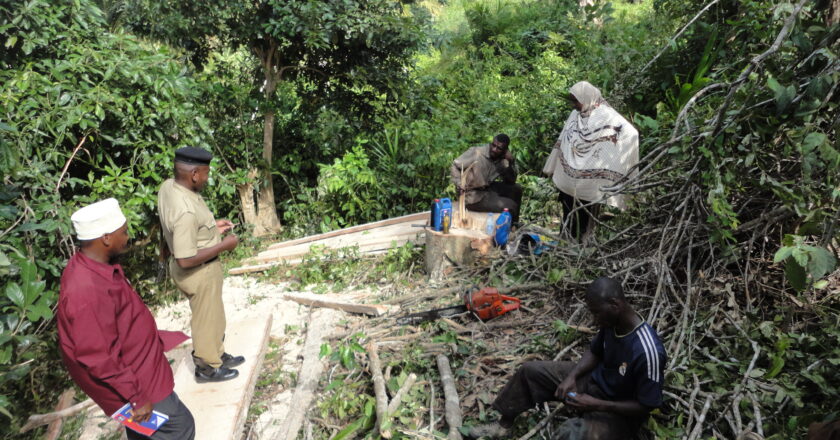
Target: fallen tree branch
x: 37, y: 420
x: 378, y: 389
x: 64, y: 401
x: 542, y: 423
x: 320, y: 301
x: 674, y: 38
x: 453, y: 404
x: 405, y: 388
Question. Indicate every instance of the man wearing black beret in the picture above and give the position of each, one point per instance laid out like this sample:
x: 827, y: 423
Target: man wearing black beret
x: 194, y: 238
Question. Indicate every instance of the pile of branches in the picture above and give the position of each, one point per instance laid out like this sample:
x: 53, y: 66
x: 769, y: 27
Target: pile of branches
x: 747, y: 169
x: 746, y: 176
x: 725, y: 248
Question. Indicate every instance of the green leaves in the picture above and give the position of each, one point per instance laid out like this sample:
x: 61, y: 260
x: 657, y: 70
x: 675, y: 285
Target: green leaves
x: 804, y: 264
x: 781, y: 94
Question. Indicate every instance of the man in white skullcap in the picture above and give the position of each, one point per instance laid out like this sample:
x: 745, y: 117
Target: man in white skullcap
x: 108, y: 338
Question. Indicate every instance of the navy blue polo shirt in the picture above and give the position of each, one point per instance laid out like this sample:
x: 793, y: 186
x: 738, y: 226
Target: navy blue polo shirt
x: 631, y: 366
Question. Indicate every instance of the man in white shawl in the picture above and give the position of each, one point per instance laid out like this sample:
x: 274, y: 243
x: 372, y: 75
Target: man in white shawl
x: 596, y: 149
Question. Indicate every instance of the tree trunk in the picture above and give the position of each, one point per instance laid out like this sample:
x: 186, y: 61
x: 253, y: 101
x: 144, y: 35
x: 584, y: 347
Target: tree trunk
x: 246, y: 198
x: 262, y: 211
x: 267, y: 221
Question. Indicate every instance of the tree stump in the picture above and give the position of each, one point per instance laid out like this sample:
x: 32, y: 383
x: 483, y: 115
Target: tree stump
x: 465, y: 244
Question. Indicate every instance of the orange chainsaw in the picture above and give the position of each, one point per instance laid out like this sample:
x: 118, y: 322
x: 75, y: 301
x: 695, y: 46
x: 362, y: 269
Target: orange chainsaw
x: 486, y: 303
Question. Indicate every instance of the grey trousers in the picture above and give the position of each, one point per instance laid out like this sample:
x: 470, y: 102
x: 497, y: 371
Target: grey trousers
x: 536, y: 382
x: 180, y: 425
x: 497, y: 197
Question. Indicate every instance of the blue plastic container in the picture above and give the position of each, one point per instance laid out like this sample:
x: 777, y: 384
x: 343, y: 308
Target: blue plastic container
x: 439, y: 208
x: 435, y: 220
x: 503, y: 228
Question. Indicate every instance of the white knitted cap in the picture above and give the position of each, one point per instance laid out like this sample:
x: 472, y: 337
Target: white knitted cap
x: 98, y: 219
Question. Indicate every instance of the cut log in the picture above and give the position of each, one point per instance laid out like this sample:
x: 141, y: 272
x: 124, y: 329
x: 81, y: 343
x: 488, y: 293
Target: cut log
x: 453, y: 403
x: 461, y: 247
x: 321, y: 301
x: 37, y: 420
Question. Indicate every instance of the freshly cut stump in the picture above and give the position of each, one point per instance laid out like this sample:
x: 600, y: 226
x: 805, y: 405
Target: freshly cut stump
x: 460, y: 247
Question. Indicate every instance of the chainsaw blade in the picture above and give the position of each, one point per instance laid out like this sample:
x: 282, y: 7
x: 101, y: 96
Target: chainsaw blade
x: 430, y: 315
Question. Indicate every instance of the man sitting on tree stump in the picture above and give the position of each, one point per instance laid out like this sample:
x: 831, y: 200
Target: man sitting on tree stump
x: 614, y: 386
x: 475, y: 172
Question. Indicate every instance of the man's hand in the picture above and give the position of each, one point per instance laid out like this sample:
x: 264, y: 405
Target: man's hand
x: 583, y: 402
x: 230, y: 242
x: 224, y: 226
x: 567, y: 386
x: 509, y: 157
x: 142, y: 414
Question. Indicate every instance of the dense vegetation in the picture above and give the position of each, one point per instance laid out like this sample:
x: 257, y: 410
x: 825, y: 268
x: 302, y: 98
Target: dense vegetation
x: 339, y: 112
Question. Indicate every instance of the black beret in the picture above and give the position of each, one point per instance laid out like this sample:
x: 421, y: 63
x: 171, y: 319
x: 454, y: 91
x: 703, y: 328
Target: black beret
x: 193, y: 156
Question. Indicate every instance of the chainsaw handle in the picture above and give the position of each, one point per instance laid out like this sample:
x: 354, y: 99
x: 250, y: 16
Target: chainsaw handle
x: 510, y: 303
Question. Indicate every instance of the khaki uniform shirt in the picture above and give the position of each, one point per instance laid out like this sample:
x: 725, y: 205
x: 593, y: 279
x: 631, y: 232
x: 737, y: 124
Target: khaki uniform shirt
x: 479, y: 171
x: 188, y: 225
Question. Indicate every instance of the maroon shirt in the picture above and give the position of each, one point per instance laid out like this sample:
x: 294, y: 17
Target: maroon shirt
x: 108, y: 337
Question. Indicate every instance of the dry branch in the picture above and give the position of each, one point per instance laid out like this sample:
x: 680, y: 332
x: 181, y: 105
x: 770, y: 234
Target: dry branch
x: 405, y: 388
x: 453, y: 404
x: 378, y: 389
x: 542, y: 423
x: 37, y: 420
x: 64, y: 401
x: 320, y: 301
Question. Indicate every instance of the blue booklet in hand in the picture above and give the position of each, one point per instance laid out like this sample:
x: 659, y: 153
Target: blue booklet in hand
x: 147, y: 428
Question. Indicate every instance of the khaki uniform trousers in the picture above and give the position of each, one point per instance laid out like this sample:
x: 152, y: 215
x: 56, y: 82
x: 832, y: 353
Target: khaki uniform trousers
x: 203, y: 287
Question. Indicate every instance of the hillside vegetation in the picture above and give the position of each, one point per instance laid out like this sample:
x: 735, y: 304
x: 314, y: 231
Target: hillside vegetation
x: 323, y: 114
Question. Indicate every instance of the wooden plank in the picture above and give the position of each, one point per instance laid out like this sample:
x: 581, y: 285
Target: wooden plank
x: 383, y: 234
x: 220, y: 408
x: 363, y: 246
x: 420, y: 216
x: 294, y: 261
x: 322, y: 301
x: 307, y: 382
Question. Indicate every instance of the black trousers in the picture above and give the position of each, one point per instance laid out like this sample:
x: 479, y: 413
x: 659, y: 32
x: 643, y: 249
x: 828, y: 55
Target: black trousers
x: 536, y: 382
x: 180, y: 425
x: 583, y: 219
x: 497, y: 197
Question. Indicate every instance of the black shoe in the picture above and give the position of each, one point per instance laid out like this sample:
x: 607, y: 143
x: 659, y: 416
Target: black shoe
x: 230, y: 361
x: 210, y: 374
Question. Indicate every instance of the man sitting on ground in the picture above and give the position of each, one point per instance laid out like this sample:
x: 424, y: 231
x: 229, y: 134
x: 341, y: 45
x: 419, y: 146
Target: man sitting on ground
x: 617, y: 382
x: 479, y: 168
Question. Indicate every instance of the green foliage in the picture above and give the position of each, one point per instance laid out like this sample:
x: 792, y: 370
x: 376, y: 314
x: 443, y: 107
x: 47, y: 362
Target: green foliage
x: 339, y: 269
x: 805, y: 265
x: 85, y: 114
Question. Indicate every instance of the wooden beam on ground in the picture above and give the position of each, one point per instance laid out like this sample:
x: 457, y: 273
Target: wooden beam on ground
x: 293, y: 262
x: 220, y: 408
x: 313, y: 300
x: 420, y: 216
x: 307, y: 384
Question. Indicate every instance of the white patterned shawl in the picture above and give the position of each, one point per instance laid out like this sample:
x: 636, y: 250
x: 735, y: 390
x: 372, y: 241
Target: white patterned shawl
x: 596, y: 148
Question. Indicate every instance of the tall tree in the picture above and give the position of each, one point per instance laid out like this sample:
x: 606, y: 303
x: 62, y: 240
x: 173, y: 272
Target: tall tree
x: 347, y: 51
